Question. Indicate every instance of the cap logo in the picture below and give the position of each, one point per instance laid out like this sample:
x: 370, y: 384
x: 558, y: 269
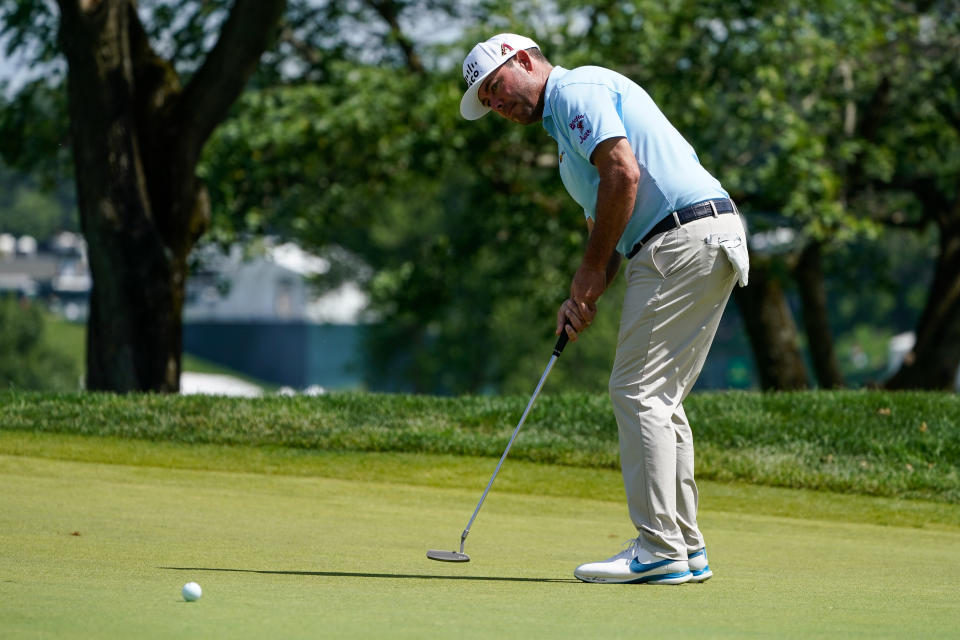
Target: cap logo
x: 505, y: 48
x: 471, y: 72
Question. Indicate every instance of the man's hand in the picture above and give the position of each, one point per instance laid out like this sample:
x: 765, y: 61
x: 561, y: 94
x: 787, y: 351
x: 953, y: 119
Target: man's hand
x: 575, y: 316
x: 588, y: 285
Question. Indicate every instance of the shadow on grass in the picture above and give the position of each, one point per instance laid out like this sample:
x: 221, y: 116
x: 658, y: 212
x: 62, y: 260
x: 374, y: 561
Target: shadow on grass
x: 392, y: 576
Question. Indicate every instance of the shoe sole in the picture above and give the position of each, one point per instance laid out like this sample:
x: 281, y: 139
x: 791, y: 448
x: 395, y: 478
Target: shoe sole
x: 679, y: 577
x: 701, y: 576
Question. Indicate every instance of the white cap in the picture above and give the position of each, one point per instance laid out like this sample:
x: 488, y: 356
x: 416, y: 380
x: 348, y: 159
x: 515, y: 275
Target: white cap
x: 484, y: 59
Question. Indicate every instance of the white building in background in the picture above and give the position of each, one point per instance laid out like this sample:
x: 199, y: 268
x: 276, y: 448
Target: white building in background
x: 58, y: 272
x: 262, y: 315
x: 8, y: 246
x: 273, y: 286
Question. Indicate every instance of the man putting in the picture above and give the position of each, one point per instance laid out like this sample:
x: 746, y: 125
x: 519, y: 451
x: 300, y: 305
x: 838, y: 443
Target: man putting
x: 646, y: 197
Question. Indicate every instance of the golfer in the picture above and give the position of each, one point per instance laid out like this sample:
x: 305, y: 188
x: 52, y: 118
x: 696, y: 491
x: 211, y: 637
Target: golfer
x: 646, y: 198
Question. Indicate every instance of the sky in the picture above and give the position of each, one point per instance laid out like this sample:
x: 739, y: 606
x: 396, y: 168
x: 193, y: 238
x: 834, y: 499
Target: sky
x: 14, y: 72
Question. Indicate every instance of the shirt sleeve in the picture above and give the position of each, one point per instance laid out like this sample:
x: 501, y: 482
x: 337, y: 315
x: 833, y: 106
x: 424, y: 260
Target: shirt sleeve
x: 588, y: 114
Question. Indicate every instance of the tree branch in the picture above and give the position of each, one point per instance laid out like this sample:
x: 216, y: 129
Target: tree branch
x: 303, y: 49
x: 224, y: 74
x: 914, y: 225
x: 387, y: 9
x: 875, y: 110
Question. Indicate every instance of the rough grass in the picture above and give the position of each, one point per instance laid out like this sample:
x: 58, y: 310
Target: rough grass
x: 468, y: 473
x: 903, y: 445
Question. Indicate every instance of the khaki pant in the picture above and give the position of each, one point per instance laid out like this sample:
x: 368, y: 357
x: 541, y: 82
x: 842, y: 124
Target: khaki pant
x: 677, y: 288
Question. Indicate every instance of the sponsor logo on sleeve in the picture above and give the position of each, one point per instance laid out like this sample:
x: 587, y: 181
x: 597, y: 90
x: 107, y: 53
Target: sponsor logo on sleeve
x: 578, y: 126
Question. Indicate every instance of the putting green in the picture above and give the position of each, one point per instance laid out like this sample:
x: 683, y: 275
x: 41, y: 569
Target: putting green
x: 99, y: 550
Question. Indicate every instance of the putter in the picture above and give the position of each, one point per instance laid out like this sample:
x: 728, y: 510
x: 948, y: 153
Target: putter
x: 460, y: 556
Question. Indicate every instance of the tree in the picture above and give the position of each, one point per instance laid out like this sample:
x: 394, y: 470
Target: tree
x: 917, y: 134
x: 136, y: 137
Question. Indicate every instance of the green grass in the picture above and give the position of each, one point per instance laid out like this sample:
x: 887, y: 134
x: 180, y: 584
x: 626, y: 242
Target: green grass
x: 903, y: 445
x: 448, y: 471
x: 97, y: 550
x: 310, y: 517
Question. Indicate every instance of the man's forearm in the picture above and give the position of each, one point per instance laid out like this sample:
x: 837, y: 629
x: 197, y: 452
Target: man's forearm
x: 615, y: 197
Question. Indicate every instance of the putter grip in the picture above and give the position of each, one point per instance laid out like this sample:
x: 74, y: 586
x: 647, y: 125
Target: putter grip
x: 561, y: 341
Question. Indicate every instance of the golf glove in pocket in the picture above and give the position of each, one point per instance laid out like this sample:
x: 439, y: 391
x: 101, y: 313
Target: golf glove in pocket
x: 735, y: 248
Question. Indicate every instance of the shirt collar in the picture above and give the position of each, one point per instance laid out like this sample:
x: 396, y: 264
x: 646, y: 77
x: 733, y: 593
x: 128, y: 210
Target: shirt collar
x: 552, y: 80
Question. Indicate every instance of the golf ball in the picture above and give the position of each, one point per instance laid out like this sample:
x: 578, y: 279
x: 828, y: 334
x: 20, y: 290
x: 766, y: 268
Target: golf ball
x: 191, y: 591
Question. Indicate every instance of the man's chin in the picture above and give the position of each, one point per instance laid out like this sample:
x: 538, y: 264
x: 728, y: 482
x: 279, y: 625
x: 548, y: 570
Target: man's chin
x: 522, y: 117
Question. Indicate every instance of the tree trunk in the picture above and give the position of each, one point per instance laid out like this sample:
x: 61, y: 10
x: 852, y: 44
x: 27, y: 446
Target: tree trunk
x: 770, y: 327
x: 808, y: 273
x: 136, y: 141
x: 934, y: 360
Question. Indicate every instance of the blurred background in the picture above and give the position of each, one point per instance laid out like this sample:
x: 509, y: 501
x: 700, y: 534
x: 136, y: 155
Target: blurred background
x: 245, y: 197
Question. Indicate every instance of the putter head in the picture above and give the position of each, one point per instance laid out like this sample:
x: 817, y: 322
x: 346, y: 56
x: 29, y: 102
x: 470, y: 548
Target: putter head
x: 448, y: 556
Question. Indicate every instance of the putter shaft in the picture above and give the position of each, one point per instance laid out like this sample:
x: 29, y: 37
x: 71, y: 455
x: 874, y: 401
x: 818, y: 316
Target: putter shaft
x: 561, y: 343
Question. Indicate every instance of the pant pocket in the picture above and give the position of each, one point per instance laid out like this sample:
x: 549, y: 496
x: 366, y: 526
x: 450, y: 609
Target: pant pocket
x: 735, y: 248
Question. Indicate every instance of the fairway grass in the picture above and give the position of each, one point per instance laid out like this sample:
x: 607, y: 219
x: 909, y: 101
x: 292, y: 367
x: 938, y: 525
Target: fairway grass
x: 99, y: 550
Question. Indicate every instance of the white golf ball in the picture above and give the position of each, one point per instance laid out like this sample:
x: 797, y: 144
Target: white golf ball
x: 191, y: 591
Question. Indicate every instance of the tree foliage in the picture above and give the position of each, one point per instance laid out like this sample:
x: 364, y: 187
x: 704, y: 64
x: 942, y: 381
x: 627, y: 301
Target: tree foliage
x: 819, y: 117
x: 467, y: 228
x: 26, y: 362
x: 455, y: 221
x: 29, y: 207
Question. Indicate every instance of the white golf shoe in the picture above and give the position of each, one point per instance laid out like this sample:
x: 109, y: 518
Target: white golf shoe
x: 635, y: 565
x: 699, y: 569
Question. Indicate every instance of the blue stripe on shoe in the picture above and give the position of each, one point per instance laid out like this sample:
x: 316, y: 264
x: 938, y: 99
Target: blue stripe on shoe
x: 697, y: 554
x: 637, y: 567
x: 701, y: 571
x: 660, y: 576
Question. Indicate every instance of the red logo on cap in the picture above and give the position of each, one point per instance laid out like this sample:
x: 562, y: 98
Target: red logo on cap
x: 504, y: 48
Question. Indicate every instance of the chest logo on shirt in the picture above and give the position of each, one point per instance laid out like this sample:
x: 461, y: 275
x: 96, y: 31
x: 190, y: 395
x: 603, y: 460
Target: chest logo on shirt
x: 577, y: 125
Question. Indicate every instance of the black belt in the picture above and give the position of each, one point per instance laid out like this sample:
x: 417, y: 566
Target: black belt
x: 685, y: 215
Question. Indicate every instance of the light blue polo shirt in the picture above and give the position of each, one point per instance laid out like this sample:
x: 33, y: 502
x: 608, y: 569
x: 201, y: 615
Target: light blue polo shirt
x: 583, y: 107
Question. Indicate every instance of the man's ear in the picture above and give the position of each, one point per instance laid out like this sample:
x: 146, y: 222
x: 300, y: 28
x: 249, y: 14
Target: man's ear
x: 523, y: 59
